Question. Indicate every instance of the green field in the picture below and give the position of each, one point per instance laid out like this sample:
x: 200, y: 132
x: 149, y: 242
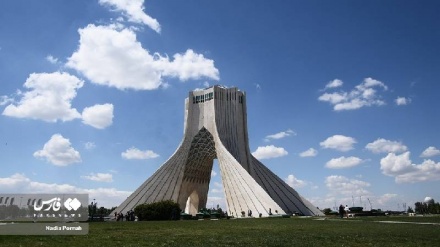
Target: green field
x: 294, y: 231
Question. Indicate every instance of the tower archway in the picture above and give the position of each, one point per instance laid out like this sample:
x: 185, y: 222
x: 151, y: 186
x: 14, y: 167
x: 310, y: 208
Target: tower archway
x: 197, y: 172
x: 192, y: 204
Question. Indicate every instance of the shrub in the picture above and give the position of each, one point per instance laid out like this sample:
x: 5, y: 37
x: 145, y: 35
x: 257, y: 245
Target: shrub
x: 163, y: 210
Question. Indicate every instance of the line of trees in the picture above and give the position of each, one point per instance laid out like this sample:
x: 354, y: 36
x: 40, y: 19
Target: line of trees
x: 96, y: 213
x: 10, y: 212
x: 427, y: 207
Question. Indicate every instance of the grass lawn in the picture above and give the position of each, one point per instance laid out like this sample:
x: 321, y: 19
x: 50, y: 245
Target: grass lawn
x: 294, y: 231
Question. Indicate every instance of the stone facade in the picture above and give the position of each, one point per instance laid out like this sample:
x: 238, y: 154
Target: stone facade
x: 216, y: 128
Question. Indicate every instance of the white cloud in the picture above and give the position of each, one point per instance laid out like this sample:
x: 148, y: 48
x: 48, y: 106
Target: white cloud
x: 99, y: 177
x: 51, y: 59
x: 386, y: 198
x: 49, y: 98
x: 402, y: 101
x: 311, y: 152
x: 340, y: 185
x: 136, y: 154
x: 295, y: 183
x: 213, y: 173
x: 364, y: 94
x: 111, y: 56
x: 134, y: 10
x: 5, y: 100
x: 58, y: 151
x: 19, y: 183
x: 333, y: 98
x: 98, y: 116
x: 404, y: 171
x: 393, y: 165
x: 334, y: 84
x: 352, y: 105
x: 106, y: 197
x: 370, y: 82
x: 218, y: 188
x: 16, y: 181
x: 343, y: 162
x: 114, y: 58
x: 344, y: 191
x: 280, y: 135
x: 216, y: 191
x: 269, y: 152
x: 386, y: 146
x: 189, y: 65
x: 430, y: 152
x: 214, y: 201
x: 339, y: 142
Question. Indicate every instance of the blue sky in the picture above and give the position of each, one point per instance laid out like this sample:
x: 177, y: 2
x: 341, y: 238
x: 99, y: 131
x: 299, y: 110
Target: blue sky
x: 342, y: 95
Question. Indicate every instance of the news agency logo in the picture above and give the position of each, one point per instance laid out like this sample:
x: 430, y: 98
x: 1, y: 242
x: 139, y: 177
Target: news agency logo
x: 44, y: 207
x: 55, y: 204
x: 72, y: 204
x: 51, y: 208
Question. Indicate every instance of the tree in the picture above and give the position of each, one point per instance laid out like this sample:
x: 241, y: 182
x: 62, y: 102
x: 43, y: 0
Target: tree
x: 163, y: 210
x: 326, y: 211
x: 92, y: 209
x: 9, y: 211
x: 429, y: 207
x: 419, y: 207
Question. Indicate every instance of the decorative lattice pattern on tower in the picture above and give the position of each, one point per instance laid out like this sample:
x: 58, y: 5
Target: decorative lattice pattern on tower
x: 199, y: 164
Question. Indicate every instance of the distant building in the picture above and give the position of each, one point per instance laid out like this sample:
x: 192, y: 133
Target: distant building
x: 20, y: 200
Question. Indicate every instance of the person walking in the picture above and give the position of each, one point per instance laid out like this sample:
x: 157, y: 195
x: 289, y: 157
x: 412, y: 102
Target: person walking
x: 347, y: 209
x: 341, y: 211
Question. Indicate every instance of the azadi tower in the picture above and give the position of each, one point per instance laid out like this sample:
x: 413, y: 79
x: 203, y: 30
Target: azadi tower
x: 216, y: 128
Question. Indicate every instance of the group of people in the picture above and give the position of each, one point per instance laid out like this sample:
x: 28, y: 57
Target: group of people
x: 129, y: 216
x: 343, y: 211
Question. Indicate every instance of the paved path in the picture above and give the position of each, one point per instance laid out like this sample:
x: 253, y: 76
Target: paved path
x: 384, y: 221
x: 406, y: 222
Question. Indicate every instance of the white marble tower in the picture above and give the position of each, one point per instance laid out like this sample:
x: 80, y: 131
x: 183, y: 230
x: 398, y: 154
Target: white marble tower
x: 216, y: 128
